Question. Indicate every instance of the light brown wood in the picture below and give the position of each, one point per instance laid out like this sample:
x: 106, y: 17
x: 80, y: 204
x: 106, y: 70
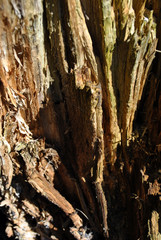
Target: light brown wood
x: 80, y: 118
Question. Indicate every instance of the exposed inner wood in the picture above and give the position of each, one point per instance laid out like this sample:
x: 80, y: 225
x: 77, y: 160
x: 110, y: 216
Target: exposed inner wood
x: 80, y: 135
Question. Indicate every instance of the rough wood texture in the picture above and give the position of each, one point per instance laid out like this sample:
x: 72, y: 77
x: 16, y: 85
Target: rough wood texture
x: 80, y: 135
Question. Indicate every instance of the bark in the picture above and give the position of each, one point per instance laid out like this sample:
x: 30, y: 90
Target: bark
x: 80, y: 135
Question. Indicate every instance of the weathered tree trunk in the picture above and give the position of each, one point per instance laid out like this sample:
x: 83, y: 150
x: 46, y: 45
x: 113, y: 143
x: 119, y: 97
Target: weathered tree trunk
x: 80, y: 107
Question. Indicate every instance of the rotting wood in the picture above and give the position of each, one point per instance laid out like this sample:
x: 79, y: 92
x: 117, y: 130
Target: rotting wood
x: 30, y: 156
x: 75, y: 73
x: 6, y: 166
x: 84, y: 78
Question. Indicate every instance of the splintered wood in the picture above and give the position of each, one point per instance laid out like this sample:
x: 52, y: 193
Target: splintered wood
x: 6, y: 166
x: 82, y: 90
x: 72, y: 75
x: 30, y: 155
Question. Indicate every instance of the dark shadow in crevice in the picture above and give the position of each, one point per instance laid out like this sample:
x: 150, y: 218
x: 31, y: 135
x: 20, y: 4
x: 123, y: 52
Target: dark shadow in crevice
x: 92, y: 14
x: 148, y: 104
x: 3, y: 225
x: 67, y: 36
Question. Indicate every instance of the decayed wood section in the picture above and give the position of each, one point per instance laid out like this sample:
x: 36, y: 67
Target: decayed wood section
x: 80, y: 135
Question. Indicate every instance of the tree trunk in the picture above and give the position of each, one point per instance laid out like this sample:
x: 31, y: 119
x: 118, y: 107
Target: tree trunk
x: 80, y: 131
